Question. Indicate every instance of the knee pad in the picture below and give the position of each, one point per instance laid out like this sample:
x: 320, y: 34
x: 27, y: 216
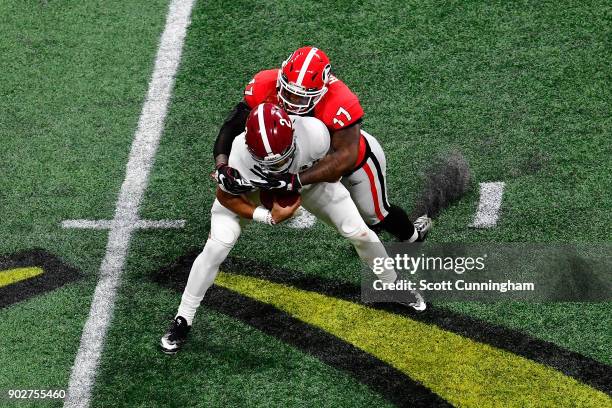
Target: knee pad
x: 350, y: 227
x: 224, y: 235
x: 224, y: 228
x: 362, y: 235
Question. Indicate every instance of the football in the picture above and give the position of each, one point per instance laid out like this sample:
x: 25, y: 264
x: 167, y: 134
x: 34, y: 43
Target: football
x: 284, y: 198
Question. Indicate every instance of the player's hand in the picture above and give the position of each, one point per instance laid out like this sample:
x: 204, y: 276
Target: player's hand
x: 280, y: 214
x: 286, y: 181
x: 230, y: 180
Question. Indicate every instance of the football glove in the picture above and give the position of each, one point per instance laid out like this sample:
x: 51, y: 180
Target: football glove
x: 286, y: 182
x: 230, y: 180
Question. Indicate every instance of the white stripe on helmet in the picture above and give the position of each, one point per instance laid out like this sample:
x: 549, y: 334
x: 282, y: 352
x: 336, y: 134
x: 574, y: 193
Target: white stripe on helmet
x: 304, y: 68
x: 262, y: 129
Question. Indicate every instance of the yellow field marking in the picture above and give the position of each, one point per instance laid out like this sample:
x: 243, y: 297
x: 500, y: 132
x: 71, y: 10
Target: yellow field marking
x: 464, y: 372
x: 10, y: 276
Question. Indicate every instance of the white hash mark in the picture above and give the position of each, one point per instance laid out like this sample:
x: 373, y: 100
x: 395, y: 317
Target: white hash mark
x: 488, y: 207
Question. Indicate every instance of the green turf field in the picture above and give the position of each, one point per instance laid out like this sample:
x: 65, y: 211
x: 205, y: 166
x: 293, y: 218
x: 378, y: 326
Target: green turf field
x: 521, y: 89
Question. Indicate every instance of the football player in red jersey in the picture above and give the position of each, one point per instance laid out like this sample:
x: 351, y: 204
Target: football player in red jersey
x: 305, y: 86
x: 274, y: 142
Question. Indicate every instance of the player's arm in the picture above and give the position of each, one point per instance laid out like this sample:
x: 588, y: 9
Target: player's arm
x: 255, y: 92
x: 228, y: 177
x: 243, y: 207
x: 340, y: 160
x: 237, y: 203
x: 232, y: 127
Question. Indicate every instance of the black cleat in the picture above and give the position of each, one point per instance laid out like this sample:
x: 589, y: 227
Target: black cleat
x: 176, y: 336
x: 422, y: 225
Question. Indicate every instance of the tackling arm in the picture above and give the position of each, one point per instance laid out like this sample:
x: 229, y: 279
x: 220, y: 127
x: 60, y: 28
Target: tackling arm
x: 232, y: 127
x: 340, y: 160
x: 228, y: 177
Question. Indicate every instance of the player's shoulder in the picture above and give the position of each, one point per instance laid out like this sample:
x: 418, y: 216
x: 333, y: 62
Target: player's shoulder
x: 310, y: 132
x: 340, y: 107
x: 240, y: 140
x: 267, y: 75
x: 239, y: 150
x: 262, y: 88
x: 308, y: 125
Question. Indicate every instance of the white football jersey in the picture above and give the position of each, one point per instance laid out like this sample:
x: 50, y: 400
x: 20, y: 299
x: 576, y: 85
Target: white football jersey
x: 312, y: 142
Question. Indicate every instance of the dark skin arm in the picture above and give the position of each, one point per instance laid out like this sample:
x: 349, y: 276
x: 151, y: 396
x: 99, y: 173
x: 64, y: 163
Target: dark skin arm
x: 339, y: 161
x: 221, y: 159
x: 232, y: 127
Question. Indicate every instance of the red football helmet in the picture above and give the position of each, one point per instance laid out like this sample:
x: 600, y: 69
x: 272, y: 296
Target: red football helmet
x: 269, y: 138
x: 303, y: 80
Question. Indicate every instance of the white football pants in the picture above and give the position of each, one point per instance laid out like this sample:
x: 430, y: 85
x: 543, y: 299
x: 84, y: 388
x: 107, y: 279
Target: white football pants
x: 367, y: 183
x: 329, y: 202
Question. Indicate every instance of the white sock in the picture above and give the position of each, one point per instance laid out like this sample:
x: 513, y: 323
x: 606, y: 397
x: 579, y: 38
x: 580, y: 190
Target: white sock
x: 201, y: 277
x: 188, y: 307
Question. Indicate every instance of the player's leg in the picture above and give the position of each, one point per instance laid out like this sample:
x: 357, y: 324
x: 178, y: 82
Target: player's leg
x: 368, y: 188
x: 224, y: 232
x: 332, y: 204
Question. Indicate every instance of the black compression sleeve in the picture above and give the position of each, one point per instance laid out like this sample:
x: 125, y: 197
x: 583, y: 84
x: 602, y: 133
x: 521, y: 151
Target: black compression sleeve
x: 232, y: 127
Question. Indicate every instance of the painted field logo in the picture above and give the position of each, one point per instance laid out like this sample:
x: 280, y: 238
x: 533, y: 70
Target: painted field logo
x: 30, y: 273
x: 436, y: 358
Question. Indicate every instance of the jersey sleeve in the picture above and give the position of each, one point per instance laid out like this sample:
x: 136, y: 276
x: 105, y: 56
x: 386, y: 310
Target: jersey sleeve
x: 262, y: 88
x: 340, y: 107
x: 237, y: 157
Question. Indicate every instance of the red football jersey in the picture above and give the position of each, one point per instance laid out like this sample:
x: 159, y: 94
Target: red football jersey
x: 338, y: 108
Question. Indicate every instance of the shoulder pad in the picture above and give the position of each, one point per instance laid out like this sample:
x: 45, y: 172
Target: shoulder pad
x: 262, y: 88
x: 339, y: 108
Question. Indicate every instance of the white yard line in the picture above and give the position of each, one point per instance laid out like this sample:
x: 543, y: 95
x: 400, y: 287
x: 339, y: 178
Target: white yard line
x: 490, y: 202
x: 151, y: 224
x: 141, y: 159
x: 109, y: 224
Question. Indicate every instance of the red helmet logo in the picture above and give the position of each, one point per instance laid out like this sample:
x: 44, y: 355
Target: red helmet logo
x: 303, y: 80
x: 269, y: 137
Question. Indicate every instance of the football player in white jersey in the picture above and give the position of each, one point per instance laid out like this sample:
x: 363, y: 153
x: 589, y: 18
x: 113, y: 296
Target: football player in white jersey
x: 273, y: 143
